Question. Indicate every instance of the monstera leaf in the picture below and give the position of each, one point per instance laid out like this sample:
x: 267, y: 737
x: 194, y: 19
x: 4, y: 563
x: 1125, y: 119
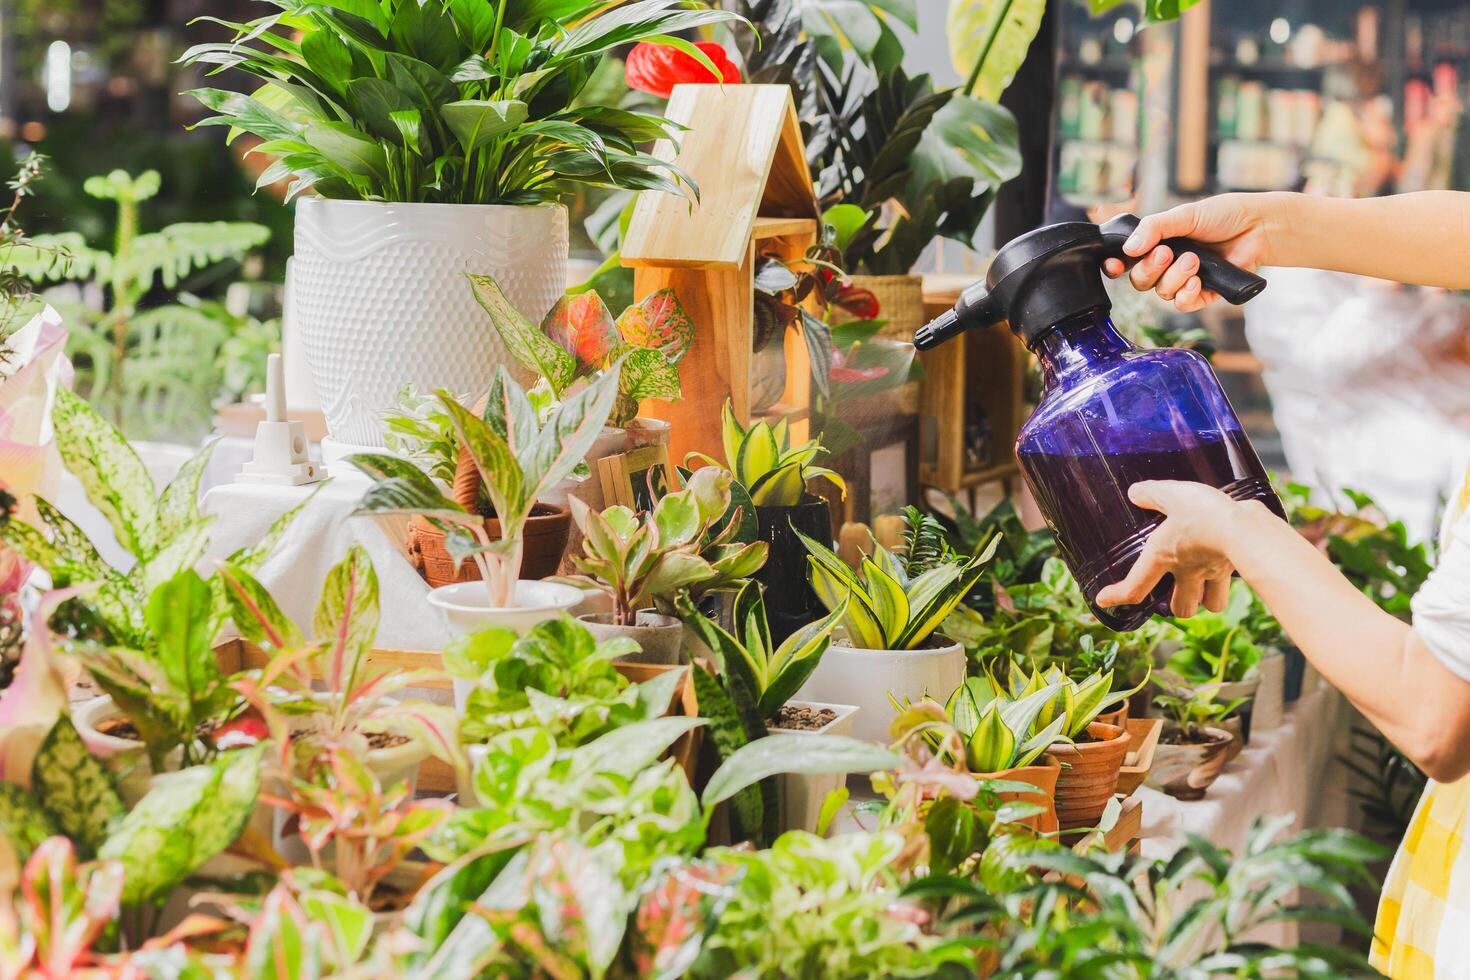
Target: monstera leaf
x: 988, y: 41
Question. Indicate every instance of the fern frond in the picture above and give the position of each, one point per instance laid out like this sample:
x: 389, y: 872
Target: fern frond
x: 179, y: 249
x: 924, y: 543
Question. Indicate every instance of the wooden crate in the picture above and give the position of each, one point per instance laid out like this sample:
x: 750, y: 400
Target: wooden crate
x: 436, y: 776
x: 1143, y: 738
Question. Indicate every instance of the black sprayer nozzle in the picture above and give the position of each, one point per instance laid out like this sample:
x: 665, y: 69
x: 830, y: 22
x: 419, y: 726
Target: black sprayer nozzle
x: 938, y: 330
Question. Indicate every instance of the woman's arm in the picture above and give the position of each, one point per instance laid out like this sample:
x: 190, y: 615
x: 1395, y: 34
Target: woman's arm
x: 1377, y: 661
x: 1421, y: 238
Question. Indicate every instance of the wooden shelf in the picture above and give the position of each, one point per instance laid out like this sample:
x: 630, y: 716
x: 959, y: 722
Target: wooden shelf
x: 765, y: 228
x: 1124, y: 833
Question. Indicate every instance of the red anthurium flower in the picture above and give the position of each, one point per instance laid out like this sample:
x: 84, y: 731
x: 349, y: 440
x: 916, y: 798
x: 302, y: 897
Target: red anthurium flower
x: 850, y: 375
x: 858, y: 301
x: 657, y: 68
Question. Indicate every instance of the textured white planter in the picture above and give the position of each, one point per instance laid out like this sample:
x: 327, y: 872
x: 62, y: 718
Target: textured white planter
x: 866, y: 678
x: 660, y: 638
x: 379, y: 298
x: 1270, y: 704
x: 466, y: 609
x: 802, y: 795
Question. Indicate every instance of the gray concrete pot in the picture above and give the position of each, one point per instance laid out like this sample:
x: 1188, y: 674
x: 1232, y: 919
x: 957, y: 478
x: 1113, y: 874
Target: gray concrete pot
x: 661, y: 638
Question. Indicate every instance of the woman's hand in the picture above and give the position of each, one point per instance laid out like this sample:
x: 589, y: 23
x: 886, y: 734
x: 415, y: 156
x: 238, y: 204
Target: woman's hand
x: 1234, y: 223
x: 1190, y: 545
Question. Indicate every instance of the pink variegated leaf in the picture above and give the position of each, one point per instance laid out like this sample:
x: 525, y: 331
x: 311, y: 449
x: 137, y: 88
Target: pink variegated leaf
x: 582, y: 326
x: 346, y: 618
x: 436, y: 725
x: 658, y: 322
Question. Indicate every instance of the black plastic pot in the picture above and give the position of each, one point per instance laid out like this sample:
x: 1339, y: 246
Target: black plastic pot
x: 1296, y: 666
x: 790, y: 601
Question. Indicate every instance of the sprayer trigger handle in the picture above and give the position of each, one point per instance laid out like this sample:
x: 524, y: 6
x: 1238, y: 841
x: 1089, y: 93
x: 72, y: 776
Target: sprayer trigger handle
x: 1234, y: 284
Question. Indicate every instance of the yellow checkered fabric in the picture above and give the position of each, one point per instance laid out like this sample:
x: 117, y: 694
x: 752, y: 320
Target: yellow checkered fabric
x: 1423, y: 926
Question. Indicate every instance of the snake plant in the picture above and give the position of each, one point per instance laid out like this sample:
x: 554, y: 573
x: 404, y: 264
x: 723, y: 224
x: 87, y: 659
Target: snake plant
x: 765, y: 462
x: 889, y: 608
x: 1077, y: 703
x: 1002, y: 733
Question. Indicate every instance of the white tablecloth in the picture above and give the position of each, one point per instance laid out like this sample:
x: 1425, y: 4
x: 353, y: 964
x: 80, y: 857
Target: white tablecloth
x: 318, y: 539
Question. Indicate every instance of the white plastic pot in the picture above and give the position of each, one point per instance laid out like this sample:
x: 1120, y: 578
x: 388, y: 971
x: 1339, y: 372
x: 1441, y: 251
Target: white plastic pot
x: 466, y: 609
x: 660, y: 638
x: 1270, y: 702
x: 802, y: 795
x: 866, y: 678
x: 379, y: 299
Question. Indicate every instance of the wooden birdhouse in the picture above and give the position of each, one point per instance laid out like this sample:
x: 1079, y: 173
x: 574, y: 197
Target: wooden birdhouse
x: 743, y: 149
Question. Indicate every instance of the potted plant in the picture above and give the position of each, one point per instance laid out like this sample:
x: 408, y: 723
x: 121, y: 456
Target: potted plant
x: 774, y: 474
x: 1192, y: 749
x: 518, y: 459
x: 1218, y: 649
x: 439, y: 139
x: 759, y: 680
x: 643, y: 563
x: 892, y: 607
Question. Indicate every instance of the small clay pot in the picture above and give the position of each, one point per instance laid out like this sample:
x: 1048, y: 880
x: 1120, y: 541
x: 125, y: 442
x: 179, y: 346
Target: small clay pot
x: 1186, y: 770
x: 544, y: 538
x: 660, y: 638
x: 1043, y: 774
x: 1118, y: 717
x: 1089, y: 775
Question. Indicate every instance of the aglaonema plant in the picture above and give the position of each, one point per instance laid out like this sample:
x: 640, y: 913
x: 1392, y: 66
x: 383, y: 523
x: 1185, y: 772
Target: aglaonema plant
x: 579, y: 338
x: 519, y: 460
x: 447, y: 101
x: 688, y: 544
x: 355, y: 700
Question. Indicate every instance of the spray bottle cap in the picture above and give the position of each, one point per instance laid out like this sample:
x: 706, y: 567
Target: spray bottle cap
x: 1054, y: 273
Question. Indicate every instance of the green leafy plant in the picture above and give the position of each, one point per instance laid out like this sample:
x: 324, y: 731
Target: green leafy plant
x: 1001, y: 733
x: 1218, y: 646
x: 1188, y: 711
x: 1019, y: 557
x: 884, y: 608
x: 752, y: 668
x: 422, y: 432
x: 163, y: 532
x: 773, y: 472
x: 151, y: 366
x: 579, y: 339
x: 795, y: 908
x: 651, y: 559
x: 184, y: 819
x: 446, y: 101
x: 519, y: 460
x: 354, y: 702
x: 16, y: 288
x: 1040, y: 909
x: 557, y: 678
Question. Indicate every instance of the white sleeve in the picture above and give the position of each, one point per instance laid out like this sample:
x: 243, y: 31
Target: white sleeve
x: 1441, y: 607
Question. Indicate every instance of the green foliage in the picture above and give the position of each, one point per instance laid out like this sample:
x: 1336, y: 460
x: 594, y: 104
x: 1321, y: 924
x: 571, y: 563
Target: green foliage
x: 1219, y: 646
x: 751, y: 670
x: 1045, y: 911
x: 1190, y: 710
x: 579, y: 338
x: 1002, y: 733
x: 734, y: 723
x: 1155, y: 11
x: 445, y: 101
x: 152, y: 367
x: 76, y: 789
x: 772, y: 471
x: 685, y: 545
x: 422, y: 432
x: 1387, y: 785
x: 811, y: 906
x: 792, y: 752
x: 519, y: 459
x: 557, y: 678
x: 1020, y: 554
x: 884, y: 608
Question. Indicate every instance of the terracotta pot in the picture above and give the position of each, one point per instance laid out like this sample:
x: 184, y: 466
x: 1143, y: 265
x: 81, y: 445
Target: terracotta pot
x: 544, y: 536
x: 660, y: 638
x: 1186, y: 771
x: 1089, y: 775
x: 1043, y: 774
x: 1118, y: 717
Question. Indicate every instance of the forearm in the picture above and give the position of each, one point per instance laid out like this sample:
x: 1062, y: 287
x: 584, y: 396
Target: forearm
x: 1373, y: 658
x: 1421, y: 238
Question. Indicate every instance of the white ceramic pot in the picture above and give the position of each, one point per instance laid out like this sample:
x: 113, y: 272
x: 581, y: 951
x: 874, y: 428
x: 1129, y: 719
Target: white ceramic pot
x: 379, y: 297
x: 866, y: 678
x: 660, y: 638
x: 1270, y: 701
x: 466, y: 609
x: 802, y: 795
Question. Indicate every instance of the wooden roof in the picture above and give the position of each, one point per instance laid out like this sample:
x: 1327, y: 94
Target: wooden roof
x: 743, y: 149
